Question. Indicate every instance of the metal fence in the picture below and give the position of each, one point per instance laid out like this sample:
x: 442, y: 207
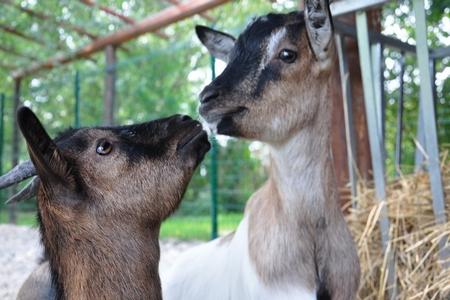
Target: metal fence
x: 232, y: 171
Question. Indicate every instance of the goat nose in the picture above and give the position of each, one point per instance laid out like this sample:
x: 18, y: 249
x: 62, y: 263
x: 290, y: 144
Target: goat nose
x: 208, y: 95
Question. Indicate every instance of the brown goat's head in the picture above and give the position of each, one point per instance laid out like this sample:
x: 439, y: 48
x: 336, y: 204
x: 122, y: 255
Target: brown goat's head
x: 138, y: 171
x: 273, y: 68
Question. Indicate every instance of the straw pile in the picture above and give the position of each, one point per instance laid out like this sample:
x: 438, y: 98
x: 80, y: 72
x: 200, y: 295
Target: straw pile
x: 414, y: 241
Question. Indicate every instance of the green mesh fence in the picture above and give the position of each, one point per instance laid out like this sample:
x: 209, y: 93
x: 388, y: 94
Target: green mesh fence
x: 145, y: 90
x: 151, y: 86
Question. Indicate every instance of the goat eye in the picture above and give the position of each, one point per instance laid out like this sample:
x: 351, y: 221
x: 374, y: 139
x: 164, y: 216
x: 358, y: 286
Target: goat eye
x: 104, y: 148
x: 287, y: 56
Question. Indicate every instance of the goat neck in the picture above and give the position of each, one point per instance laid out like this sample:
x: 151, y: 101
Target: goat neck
x: 118, y: 256
x: 301, y: 166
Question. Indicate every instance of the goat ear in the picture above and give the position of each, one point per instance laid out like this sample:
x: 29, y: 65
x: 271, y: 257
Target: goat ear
x: 319, y: 26
x: 219, y: 44
x: 45, y: 155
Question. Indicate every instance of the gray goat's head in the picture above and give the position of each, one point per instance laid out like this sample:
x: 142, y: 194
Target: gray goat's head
x: 138, y: 170
x: 274, y: 70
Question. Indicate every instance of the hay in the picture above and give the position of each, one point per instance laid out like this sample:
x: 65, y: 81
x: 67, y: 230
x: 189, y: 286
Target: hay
x: 414, y: 240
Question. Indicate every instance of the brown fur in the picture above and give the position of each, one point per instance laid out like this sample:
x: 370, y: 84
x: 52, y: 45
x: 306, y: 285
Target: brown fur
x: 100, y: 215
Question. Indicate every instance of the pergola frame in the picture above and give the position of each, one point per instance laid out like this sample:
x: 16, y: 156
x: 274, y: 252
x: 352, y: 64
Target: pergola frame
x: 370, y: 46
x: 134, y: 28
x: 151, y: 24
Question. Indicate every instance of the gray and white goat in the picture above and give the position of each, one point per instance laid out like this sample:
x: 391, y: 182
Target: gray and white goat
x: 293, y: 242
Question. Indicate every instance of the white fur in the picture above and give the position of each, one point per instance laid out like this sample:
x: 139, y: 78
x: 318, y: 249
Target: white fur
x: 274, y: 41
x: 209, y: 127
x: 272, y: 46
x: 224, y: 271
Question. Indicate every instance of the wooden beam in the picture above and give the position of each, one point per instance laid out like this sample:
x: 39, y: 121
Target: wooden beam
x: 7, y: 66
x: 42, y: 16
x: 119, y: 15
x: 204, y: 15
x: 62, y: 24
x: 15, y: 145
x: 109, y: 11
x: 14, y: 31
x: 14, y: 52
x: 25, y: 36
x: 150, y: 24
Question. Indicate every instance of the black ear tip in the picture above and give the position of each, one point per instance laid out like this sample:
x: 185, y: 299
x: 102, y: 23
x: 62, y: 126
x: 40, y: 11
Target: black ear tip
x: 200, y: 30
x: 24, y: 110
x: 26, y: 116
x: 23, y: 113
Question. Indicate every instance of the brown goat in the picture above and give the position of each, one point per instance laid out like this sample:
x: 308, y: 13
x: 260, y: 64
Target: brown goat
x: 102, y: 196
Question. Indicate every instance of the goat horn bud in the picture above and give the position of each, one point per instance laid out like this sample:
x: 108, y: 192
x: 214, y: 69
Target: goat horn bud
x: 26, y: 193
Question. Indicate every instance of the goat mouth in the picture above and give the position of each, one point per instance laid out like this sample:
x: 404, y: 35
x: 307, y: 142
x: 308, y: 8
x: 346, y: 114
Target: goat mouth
x: 195, y: 134
x: 214, y: 116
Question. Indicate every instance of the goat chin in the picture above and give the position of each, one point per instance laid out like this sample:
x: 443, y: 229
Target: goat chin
x: 221, y: 269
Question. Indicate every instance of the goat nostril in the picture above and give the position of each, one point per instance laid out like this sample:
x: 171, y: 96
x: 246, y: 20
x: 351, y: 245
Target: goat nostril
x: 208, y: 95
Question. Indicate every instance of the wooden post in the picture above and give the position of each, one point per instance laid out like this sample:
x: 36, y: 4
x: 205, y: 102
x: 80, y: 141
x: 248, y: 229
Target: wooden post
x: 110, y: 86
x: 15, y: 146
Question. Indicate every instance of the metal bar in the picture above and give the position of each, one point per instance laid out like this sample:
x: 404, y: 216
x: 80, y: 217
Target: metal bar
x: 432, y: 64
x: 374, y: 37
x: 419, y: 156
x: 348, y: 6
x: 348, y: 114
x: 440, y: 52
x: 15, y: 146
x: 150, y: 24
x: 429, y: 119
x: 77, y: 99
x: 382, y: 98
x: 376, y: 75
x: 375, y: 141
x: 214, y: 173
x: 109, y: 100
x: 400, y: 107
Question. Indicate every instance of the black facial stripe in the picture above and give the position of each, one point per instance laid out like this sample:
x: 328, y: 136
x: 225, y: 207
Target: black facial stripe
x: 293, y: 31
x: 249, y: 50
x: 270, y: 73
x: 68, y: 140
x: 68, y: 133
x: 136, y: 152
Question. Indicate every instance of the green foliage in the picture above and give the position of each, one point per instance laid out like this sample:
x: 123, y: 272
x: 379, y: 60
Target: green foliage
x: 157, y: 78
x: 438, y: 35
x: 196, y: 227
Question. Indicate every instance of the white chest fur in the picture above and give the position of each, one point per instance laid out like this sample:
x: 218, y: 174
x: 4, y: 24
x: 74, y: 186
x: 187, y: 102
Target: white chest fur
x: 223, y: 270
